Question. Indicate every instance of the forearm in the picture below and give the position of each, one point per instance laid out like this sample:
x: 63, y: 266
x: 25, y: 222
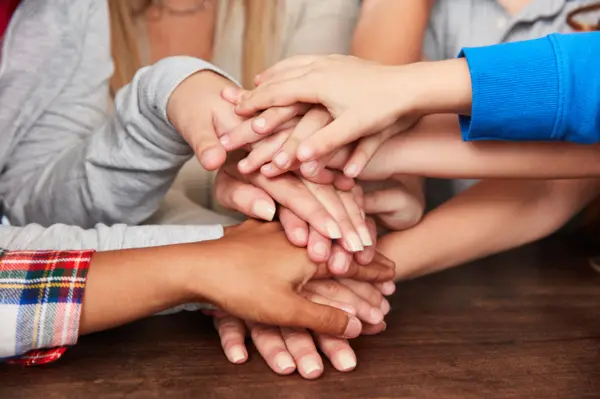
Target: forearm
x: 490, y: 217
x: 434, y: 149
x: 391, y: 32
x: 127, y: 285
x: 116, y: 172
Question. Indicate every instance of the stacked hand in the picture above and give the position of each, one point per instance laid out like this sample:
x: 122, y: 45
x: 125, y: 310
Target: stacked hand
x: 322, y: 210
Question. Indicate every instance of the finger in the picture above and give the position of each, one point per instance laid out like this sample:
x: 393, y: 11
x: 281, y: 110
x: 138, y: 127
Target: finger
x: 366, y: 291
x: 329, y: 198
x: 313, y: 168
x: 244, y: 134
x: 338, y: 351
x: 232, y: 333
x: 273, y: 118
x: 332, y: 291
x: 380, y: 270
x: 339, y: 261
x: 365, y: 257
x: 232, y: 94
x: 291, y: 193
x: 295, y: 228
x: 263, y: 153
x: 320, y: 299
x: 210, y: 153
x: 272, y: 348
x: 315, y: 119
x: 369, y: 329
x: 355, y: 214
x: 319, y: 246
x: 343, y: 130
x: 242, y: 197
x: 387, y: 288
x: 394, y: 207
x: 364, y: 151
x: 300, y: 312
x: 299, y: 89
x: 271, y: 170
x: 344, y: 183
x: 301, y: 346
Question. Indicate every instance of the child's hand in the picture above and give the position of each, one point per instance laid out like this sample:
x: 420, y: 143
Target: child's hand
x: 364, y: 98
x: 260, y: 274
x: 199, y: 113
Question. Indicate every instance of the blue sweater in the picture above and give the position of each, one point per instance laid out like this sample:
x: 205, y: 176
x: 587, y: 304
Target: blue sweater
x: 544, y: 89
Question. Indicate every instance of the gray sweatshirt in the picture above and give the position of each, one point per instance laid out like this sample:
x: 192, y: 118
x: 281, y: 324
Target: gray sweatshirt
x: 67, y: 163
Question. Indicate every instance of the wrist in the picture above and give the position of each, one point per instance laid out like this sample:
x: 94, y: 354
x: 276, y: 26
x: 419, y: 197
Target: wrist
x: 197, y: 92
x: 440, y: 87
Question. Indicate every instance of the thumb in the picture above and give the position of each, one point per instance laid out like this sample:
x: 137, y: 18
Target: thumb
x: 319, y: 318
x: 208, y: 149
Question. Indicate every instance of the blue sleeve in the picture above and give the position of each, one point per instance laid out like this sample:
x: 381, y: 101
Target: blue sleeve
x: 546, y: 89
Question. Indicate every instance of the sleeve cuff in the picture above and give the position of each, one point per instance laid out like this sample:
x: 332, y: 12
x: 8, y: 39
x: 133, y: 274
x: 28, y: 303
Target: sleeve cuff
x: 515, y: 92
x: 42, y: 293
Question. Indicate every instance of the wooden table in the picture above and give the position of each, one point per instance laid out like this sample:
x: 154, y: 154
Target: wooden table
x: 522, y: 324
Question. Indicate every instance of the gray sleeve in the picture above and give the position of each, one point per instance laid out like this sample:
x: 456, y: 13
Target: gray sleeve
x: 77, y: 166
x: 102, y: 238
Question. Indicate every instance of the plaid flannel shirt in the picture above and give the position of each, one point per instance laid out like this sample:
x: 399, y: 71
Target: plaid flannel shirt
x: 40, y: 303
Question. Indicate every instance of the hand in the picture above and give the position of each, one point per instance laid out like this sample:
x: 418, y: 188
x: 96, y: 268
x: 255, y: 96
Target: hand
x: 199, y: 113
x: 286, y: 350
x: 331, y: 213
x: 397, y: 204
x: 253, y: 283
x: 363, y: 97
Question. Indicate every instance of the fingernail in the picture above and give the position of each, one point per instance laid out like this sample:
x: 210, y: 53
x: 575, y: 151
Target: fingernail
x: 353, y: 242
x: 309, y: 168
x: 229, y: 92
x: 320, y: 249
x: 237, y: 354
x: 301, y: 235
x: 376, y: 316
x: 385, y: 306
x: 351, y: 170
x: 339, y: 262
x: 267, y: 168
x: 384, y: 326
x: 225, y: 140
x: 348, y: 309
x: 305, y: 153
x: 388, y: 288
x: 263, y: 209
x: 346, y: 360
x: 333, y: 231
x: 365, y: 236
x: 281, y: 160
x: 353, y: 329
x: 243, y: 165
x: 363, y: 214
x: 259, y: 123
x: 310, y: 365
x: 284, y: 362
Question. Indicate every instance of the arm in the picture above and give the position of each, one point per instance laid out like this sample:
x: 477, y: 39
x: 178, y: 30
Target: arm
x: 391, y: 32
x: 545, y: 89
x: 87, y: 167
x: 434, y: 148
x: 122, y: 286
x: 490, y: 217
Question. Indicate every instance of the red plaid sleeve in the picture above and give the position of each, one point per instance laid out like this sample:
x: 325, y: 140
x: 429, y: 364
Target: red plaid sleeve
x: 40, y: 303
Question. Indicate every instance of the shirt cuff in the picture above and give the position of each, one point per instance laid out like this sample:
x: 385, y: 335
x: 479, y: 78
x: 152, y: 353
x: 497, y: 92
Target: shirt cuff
x: 40, y: 303
x: 515, y: 92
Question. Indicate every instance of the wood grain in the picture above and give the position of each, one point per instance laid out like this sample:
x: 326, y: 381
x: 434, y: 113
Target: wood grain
x: 524, y: 324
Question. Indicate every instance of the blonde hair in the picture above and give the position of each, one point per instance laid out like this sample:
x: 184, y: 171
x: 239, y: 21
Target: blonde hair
x: 260, y: 31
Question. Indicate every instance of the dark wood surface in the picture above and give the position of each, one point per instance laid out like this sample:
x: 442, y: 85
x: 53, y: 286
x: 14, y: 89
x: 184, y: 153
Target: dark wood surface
x: 523, y: 324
